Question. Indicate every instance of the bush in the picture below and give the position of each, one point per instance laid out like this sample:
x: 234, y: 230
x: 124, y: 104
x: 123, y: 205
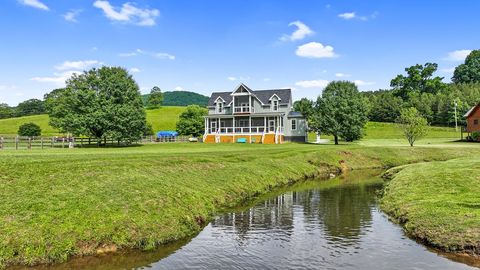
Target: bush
x: 475, y: 136
x: 29, y: 130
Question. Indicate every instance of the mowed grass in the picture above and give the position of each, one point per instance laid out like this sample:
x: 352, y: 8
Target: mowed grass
x: 438, y: 202
x: 164, y: 118
x: 62, y: 203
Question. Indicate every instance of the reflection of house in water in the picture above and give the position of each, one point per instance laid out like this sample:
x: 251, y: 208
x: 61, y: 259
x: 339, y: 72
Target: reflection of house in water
x: 275, y: 213
x: 341, y: 213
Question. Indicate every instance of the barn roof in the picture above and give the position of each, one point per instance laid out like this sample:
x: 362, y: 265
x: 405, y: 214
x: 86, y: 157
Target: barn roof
x: 471, y: 110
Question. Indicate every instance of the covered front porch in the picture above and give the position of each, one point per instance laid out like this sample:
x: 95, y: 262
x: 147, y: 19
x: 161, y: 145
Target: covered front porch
x: 244, y: 124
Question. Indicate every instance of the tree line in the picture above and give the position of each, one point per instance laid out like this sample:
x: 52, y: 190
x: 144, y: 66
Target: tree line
x: 434, y: 99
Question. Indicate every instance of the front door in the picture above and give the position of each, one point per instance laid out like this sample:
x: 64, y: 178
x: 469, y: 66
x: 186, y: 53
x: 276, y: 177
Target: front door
x: 271, y: 125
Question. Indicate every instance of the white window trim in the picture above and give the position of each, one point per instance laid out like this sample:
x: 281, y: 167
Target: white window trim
x: 273, y: 105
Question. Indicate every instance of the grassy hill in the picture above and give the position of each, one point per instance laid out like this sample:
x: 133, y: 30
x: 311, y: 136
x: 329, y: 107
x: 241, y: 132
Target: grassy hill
x: 164, y: 118
x: 181, y: 98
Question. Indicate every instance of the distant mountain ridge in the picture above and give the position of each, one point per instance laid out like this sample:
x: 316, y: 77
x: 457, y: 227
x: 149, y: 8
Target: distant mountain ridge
x: 181, y: 98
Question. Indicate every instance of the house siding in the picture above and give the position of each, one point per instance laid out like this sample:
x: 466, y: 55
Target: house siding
x: 474, y: 115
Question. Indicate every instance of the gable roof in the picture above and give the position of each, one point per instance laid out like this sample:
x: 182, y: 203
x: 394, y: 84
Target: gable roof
x: 285, y: 95
x: 471, y: 110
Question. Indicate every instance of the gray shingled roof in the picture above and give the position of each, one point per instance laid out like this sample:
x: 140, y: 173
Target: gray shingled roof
x: 263, y: 95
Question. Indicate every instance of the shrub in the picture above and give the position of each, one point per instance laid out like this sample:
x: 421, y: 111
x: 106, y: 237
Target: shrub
x: 475, y: 136
x: 29, y: 130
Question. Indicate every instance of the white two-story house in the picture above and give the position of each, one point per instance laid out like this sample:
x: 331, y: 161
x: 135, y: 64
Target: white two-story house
x: 253, y: 116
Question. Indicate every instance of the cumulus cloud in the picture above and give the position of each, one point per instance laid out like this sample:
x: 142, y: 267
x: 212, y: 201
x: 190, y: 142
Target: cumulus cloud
x: 313, y: 83
x: 353, y: 15
x: 299, y: 34
x: 71, y: 16
x: 134, y: 70
x: 77, y: 65
x: 347, y: 15
x: 458, y: 55
x: 158, y: 55
x: 34, y: 3
x: 315, y: 50
x: 363, y: 83
x: 128, y: 13
x: 57, y: 79
x: 178, y: 88
x: 65, y: 71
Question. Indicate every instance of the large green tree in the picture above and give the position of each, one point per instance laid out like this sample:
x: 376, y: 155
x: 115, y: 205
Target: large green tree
x: 102, y: 103
x: 341, y: 111
x: 155, y: 99
x: 384, y: 106
x: 419, y: 79
x: 468, y: 72
x: 192, y: 122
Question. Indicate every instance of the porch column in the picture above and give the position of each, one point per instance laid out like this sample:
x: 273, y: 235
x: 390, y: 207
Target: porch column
x: 250, y: 121
x: 264, y: 124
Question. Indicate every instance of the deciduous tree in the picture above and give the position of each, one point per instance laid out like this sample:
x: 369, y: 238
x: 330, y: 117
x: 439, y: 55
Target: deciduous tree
x: 155, y: 99
x: 413, y: 125
x: 419, y: 79
x: 192, y: 121
x: 102, y: 103
x: 468, y: 72
x: 341, y: 111
x: 29, y: 130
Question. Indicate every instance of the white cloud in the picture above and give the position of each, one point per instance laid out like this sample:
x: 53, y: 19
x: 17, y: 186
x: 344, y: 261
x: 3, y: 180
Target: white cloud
x: 341, y: 75
x: 135, y: 70
x: 347, y: 15
x: 164, y: 56
x: 315, y: 50
x: 299, y: 34
x: 34, y: 4
x: 159, y: 55
x: 313, y: 83
x: 241, y: 78
x: 458, y: 55
x: 363, y: 83
x: 178, y: 88
x: 77, y: 65
x: 71, y: 16
x: 128, y: 13
x: 353, y: 15
x: 57, y: 79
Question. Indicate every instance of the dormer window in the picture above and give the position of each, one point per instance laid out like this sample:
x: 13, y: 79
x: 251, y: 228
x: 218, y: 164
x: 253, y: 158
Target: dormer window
x: 275, y: 105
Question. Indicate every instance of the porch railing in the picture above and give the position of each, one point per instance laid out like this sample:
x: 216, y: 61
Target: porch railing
x: 243, y: 109
x: 239, y: 130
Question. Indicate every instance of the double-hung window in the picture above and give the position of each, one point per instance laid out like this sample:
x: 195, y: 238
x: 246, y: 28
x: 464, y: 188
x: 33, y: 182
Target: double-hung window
x: 294, y: 124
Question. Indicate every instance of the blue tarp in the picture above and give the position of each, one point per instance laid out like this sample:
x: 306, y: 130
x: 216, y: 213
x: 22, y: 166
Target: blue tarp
x: 166, y: 133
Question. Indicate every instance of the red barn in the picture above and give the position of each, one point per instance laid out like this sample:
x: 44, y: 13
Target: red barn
x: 473, y: 119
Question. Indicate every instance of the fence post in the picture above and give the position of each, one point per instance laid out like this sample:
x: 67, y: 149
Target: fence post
x: 29, y: 146
x: 52, y: 142
x: 16, y: 143
x: 1, y: 143
x: 63, y: 142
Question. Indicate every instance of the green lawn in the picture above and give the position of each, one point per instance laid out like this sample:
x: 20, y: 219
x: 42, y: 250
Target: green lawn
x: 438, y: 202
x: 62, y: 203
x: 164, y: 118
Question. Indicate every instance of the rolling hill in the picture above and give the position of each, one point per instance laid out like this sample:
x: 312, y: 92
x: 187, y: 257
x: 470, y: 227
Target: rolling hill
x: 181, y: 98
x: 164, y: 118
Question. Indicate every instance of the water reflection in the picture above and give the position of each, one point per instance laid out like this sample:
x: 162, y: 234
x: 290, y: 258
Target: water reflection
x: 331, y: 224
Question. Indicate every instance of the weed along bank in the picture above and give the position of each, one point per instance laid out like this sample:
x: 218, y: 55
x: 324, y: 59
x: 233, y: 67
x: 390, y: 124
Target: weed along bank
x: 253, y: 116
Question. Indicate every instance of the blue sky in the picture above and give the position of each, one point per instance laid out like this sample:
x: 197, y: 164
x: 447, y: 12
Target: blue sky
x: 206, y: 46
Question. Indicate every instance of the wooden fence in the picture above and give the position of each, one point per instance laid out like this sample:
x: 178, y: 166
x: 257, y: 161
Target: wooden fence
x: 19, y: 143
